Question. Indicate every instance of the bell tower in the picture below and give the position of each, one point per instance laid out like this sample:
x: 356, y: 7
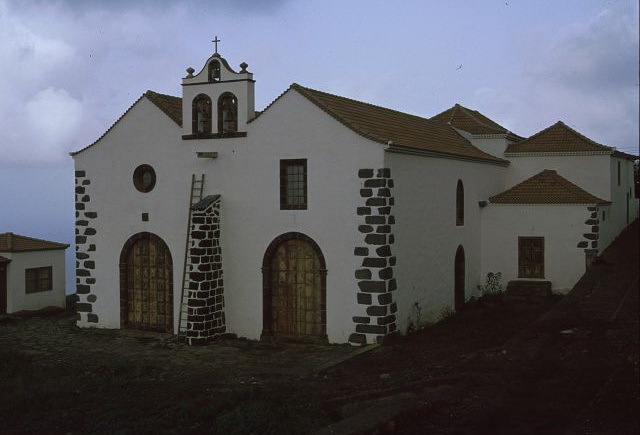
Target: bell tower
x: 217, y: 102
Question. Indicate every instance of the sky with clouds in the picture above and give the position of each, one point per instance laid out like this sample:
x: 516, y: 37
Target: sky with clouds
x: 70, y: 68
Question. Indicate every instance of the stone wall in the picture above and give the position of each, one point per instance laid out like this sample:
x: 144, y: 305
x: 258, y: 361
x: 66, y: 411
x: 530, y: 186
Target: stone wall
x: 205, y: 298
x: 85, y: 247
x: 376, y: 282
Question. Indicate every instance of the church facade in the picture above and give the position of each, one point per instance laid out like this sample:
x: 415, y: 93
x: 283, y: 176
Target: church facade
x: 325, y: 218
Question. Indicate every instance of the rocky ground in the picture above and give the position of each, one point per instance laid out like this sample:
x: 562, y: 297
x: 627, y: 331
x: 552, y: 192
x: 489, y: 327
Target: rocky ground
x: 498, y: 367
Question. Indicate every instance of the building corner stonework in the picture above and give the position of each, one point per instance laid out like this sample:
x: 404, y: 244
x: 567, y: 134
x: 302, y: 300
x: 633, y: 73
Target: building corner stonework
x: 85, y: 235
x: 375, y: 278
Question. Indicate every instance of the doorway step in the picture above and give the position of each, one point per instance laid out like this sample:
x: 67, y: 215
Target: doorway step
x: 530, y: 292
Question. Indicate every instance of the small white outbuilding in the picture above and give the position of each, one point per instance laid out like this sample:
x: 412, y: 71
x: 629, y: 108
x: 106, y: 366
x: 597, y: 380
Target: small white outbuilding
x: 32, y: 273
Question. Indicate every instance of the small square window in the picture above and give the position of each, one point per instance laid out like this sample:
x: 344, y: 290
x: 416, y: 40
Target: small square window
x: 293, y: 184
x: 38, y: 279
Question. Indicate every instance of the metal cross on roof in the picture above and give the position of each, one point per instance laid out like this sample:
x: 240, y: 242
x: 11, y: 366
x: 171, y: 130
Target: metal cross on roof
x: 215, y: 41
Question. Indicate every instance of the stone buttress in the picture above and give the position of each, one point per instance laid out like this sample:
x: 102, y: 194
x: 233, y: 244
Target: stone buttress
x: 376, y: 282
x: 205, y: 298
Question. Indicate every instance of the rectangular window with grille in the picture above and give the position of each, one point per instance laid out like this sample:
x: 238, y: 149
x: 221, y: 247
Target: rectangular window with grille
x: 38, y: 279
x: 531, y: 257
x: 293, y: 184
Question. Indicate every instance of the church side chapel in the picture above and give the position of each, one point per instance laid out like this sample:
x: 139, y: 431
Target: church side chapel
x: 321, y: 218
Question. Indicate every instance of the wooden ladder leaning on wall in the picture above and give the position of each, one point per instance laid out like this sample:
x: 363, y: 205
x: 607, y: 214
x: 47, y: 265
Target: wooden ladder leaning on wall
x: 197, y: 187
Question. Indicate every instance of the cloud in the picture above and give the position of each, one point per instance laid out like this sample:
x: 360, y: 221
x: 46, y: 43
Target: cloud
x: 590, y: 75
x: 600, y: 55
x: 52, y: 118
x: 586, y: 75
x: 36, y: 118
x: 244, y: 7
x: 63, y: 80
x: 25, y: 56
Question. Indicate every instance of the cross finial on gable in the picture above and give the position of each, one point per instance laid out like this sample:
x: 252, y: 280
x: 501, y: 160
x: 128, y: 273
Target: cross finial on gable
x: 215, y: 41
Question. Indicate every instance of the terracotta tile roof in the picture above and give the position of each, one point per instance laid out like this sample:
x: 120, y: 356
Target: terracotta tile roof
x: 471, y: 121
x: 10, y: 242
x: 171, y: 106
x: 403, y: 130
x: 547, y: 187
x: 557, y: 138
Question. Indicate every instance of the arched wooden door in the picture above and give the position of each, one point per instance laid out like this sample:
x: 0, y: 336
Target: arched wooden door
x: 146, y: 284
x: 459, y: 279
x: 294, y: 289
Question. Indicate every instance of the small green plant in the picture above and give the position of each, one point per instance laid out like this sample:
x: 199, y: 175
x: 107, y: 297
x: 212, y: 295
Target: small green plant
x: 414, y: 322
x: 446, y: 313
x: 493, y: 284
x: 417, y: 310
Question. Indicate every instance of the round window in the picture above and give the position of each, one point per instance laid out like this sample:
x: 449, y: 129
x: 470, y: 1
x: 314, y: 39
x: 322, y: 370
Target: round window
x: 144, y: 178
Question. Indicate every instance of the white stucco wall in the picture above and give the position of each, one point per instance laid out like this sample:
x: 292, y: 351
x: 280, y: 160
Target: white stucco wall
x: 494, y: 145
x: 591, y: 173
x: 246, y: 175
x: 144, y: 136
x: 598, y: 175
x: 562, y: 227
x: 426, y: 233
x: 608, y: 228
x: 249, y: 183
x: 619, y: 215
x: 17, y: 298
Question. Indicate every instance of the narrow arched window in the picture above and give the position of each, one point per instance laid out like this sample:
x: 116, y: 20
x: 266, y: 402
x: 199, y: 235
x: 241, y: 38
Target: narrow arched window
x: 201, y: 115
x: 460, y: 204
x: 214, y: 71
x: 227, y: 113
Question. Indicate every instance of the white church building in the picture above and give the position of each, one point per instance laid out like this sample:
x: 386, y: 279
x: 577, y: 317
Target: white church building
x: 323, y: 218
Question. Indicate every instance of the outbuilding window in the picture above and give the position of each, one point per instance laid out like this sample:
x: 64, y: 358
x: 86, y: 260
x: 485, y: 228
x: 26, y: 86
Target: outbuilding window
x: 38, y: 279
x: 293, y: 184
